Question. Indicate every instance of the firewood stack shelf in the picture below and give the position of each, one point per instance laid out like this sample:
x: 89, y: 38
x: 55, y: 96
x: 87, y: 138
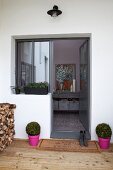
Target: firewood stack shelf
x: 6, y: 124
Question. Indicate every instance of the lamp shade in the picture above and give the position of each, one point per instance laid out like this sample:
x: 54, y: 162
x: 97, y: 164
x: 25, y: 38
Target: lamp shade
x: 54, y: 12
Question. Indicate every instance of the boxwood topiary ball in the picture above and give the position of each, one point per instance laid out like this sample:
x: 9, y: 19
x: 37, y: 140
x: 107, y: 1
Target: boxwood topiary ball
x: 33, y: 128
x: 103, y: 130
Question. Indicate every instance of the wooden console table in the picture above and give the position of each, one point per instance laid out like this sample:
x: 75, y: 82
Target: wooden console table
x: 65, y: 101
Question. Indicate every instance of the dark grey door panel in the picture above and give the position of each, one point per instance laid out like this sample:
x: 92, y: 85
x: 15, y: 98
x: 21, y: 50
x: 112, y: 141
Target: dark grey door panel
x: 84, y: 85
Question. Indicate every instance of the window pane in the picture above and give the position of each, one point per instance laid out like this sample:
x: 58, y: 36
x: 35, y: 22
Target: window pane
x: 32, y: 62
x: 25, y: 64
x: 41, y: 61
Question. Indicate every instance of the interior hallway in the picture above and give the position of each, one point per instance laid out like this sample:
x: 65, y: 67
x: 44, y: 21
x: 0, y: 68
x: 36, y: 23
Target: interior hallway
x: 67, y: 121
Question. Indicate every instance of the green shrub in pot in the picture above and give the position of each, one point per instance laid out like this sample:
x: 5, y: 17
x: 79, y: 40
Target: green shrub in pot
x: 104, y: 133
x: 33, y: 131
x: 38, y: 85
x: 103, y: 130
x: 36, y: 88
x: 33, y: 128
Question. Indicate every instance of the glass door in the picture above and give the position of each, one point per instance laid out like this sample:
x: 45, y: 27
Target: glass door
x: 84, y: 85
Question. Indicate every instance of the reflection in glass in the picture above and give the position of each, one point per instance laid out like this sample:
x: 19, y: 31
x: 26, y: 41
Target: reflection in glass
x: 33, y: 62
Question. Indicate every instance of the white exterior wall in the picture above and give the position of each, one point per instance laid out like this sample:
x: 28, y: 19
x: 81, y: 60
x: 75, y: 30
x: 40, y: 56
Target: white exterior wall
x: 0, y: 49
x: 31, y: 108
x: 28, y: 17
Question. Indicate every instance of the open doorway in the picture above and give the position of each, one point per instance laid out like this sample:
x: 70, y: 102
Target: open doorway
x: 70, y: 87
x: 64, y: 63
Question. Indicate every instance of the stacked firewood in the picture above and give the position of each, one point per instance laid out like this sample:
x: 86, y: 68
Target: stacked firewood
x: 6, y: 124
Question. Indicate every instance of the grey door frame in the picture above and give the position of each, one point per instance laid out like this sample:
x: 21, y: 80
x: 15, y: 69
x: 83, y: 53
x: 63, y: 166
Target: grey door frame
x: 51, y: 87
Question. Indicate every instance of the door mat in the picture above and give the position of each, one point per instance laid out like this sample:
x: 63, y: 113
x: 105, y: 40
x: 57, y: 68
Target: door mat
x: 67, y: 146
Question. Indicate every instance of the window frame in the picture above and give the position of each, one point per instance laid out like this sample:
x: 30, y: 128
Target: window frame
x: 17, y: 41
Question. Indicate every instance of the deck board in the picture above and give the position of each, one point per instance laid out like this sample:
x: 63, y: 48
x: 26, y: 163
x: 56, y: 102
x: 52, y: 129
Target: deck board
x: 21, y: 156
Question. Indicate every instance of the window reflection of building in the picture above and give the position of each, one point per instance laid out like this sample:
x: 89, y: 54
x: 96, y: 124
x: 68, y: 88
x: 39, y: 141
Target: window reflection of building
x: 26, y: 73
x: 32, y: 62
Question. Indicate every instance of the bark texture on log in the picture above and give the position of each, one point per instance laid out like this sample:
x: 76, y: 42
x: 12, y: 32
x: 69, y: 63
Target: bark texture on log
x: 6, y: 124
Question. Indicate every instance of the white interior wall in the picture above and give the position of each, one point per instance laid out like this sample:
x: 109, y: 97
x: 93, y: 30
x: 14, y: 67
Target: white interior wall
x: 29, y: 17
x: 67, y: 52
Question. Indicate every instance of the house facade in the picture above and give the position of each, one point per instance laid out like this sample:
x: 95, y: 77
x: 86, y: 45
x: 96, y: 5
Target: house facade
x: 29, y: 19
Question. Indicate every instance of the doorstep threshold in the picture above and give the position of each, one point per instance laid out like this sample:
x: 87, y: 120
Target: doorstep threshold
x: 68, y: 135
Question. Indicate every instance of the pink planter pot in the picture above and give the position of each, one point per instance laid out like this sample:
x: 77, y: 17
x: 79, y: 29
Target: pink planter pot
x: 104, y: 143
x: 33, y: 140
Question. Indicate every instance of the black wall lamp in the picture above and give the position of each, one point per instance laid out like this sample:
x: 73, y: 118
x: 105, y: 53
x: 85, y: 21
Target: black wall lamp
x: 54, y: 12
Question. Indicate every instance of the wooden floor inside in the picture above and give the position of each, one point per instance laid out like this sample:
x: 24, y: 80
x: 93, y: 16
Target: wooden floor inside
x: 20, y: 156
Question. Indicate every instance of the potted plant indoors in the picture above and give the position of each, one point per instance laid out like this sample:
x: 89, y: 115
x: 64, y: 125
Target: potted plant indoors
x: 33, y: 131
x: 104, y: 133
x: 40, y: 88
